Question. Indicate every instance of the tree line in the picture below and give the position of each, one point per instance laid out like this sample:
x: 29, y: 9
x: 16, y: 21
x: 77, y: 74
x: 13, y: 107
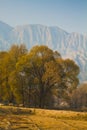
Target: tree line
x: 39, y: 77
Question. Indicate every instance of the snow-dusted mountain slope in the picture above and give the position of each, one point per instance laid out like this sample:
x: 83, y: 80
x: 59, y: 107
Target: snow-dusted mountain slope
x: 70, y: 45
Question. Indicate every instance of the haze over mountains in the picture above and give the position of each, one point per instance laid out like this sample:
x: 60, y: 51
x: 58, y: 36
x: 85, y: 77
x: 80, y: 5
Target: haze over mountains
x: 70, y: 45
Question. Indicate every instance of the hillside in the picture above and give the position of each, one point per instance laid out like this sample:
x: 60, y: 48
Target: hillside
x: 70, y: 45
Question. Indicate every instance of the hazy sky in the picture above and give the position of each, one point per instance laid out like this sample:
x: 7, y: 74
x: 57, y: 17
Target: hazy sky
x: 70, y: 15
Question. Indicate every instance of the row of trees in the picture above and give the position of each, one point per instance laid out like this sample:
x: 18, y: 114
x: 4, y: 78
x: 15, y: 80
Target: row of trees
x: 79, y: 97
x: 35, y: 77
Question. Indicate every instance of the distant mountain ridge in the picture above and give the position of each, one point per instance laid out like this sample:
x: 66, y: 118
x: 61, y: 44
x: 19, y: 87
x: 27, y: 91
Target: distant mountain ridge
x: 70, y: 45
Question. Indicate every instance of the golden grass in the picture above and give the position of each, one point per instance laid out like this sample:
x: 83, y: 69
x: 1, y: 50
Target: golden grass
x: 13, y: 118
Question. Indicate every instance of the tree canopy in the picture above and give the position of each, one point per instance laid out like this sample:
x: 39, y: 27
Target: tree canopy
x: 34, y: 77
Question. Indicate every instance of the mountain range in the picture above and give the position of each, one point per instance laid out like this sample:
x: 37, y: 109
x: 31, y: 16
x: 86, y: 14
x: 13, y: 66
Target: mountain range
x: 70, y: 45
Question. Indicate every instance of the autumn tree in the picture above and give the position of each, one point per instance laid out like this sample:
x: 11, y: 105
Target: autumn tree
x: 79, y: 97
x: 33, y: 78
x: 49, y: 73
x: 2, y: 77
x: 33, y: 65
x: 8, y: 66
x: 69, y: 77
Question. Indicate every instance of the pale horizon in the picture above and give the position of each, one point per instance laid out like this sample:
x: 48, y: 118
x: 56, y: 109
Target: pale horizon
x: 69, y: 15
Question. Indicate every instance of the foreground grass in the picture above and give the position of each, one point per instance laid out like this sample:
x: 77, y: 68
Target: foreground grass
x: 12, y: 118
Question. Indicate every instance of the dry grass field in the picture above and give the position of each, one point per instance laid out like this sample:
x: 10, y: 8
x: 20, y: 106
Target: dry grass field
x: 13, y: 118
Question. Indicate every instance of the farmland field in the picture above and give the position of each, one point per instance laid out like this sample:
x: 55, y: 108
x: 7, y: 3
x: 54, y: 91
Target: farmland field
x: 15, y: 118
